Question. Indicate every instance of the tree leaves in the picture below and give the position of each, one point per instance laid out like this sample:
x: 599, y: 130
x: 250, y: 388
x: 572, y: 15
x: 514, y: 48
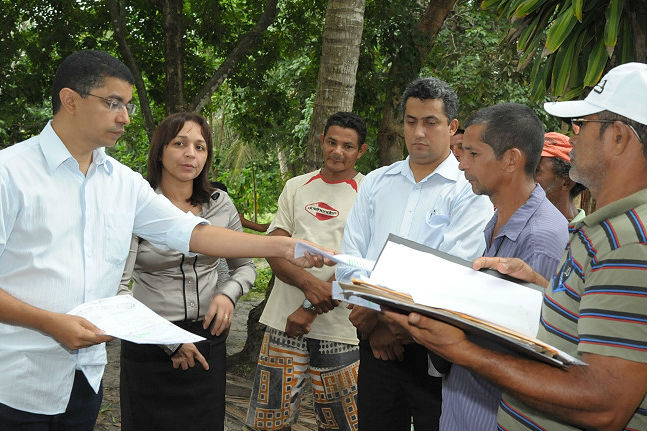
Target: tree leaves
x: 570, y: 32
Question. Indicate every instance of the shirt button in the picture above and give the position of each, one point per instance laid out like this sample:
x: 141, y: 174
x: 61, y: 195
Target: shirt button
x: 191, y: 303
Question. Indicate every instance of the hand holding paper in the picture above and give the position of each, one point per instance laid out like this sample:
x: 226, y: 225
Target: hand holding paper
x: 344, y: 259
x: 125, y: 317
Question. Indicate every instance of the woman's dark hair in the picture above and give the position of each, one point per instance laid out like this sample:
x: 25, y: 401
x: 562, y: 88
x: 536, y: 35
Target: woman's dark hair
x: 164, y: 133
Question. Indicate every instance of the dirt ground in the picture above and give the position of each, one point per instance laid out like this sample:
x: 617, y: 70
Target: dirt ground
x: 239, y: 383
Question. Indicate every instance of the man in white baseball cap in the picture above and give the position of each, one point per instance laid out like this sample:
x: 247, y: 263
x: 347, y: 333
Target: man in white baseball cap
x: 595, y: 307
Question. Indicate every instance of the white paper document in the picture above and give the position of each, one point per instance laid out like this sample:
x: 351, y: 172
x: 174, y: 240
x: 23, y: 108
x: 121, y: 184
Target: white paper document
x: 338, y: 294
x: 124, y: 317
x: 440, y: 283
x: 344, y: 259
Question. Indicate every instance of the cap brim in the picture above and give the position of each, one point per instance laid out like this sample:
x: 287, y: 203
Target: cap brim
x: 571, y: 108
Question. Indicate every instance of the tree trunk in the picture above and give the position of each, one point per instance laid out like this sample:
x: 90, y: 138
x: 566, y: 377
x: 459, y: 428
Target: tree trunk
x: 283, y: 162
x: 173, y: 25
x: 255, y: 331
x: 337, y: 69
x: 404, y: 68
x: 637, y: 21
x: 119, y: 26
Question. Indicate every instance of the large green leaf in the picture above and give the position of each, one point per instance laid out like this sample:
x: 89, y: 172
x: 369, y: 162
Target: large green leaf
x: 526, y: 35
x: 487, y: 4
x: 577, y: 9
x: 527, y: 7
x: 539, y: 85
x: 612, y: 25
x: 626, y: 53
x: 564, y: 60
x: 595, y: 66
x: 560, y: 30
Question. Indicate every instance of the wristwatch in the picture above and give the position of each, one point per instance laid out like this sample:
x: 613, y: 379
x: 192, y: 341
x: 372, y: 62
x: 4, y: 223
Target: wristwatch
x: 308, y: 305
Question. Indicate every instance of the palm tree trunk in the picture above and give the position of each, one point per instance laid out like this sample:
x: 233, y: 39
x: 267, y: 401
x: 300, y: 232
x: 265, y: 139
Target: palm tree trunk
x: 339, y: 59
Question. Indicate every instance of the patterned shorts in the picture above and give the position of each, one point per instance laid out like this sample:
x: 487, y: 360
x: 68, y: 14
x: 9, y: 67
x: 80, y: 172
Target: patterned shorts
x: 284, y: 363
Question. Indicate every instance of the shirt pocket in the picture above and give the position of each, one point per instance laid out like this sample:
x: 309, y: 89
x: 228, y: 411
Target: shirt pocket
x: 436, y: 221
x: 436, y: 226
x: 118, y: 233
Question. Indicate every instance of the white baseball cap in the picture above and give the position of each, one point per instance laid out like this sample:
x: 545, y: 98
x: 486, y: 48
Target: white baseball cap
x: 622, y: 91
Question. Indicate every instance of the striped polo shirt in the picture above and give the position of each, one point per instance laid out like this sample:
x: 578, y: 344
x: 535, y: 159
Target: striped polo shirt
x: 597, y: 301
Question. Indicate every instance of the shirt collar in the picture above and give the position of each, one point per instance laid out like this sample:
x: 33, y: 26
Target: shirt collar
x: 519, y: 219
x: 614, y: 208
x: 448, y: 169
x: 55, y: 151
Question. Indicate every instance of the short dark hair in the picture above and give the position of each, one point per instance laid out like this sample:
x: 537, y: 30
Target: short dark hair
x: 561, y: 169
x: 164, y: 133
x: 85, y: 70
x: 348, y: 120
x: 640, y: 128
x: 432, y: 88
x: 512, y: 125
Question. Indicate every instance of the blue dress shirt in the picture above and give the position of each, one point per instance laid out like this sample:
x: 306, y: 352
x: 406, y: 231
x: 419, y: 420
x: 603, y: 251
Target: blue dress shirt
x: 440, y: 211
x: 64, y: 239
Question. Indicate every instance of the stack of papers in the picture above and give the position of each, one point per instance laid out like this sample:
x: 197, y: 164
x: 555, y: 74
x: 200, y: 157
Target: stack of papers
x: 494, y: 310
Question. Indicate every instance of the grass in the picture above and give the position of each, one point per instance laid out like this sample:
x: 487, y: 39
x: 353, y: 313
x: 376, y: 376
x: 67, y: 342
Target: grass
x: 263, y: 276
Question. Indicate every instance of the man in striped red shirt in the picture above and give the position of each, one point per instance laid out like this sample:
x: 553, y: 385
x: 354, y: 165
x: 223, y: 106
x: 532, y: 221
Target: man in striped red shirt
x: 595, y: 306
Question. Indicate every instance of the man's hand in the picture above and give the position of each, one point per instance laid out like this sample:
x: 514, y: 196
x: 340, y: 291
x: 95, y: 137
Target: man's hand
x: 384, y: 344
x: 221, y: 313
x: 364, y: 319
x: 437, y: 336
x: 319, y: 293
x: 75, y: 332
x: 308, y: 260
x: 299, y: 322
x: 186, y: 356
x: 402, y: 335
x: 512, y: 266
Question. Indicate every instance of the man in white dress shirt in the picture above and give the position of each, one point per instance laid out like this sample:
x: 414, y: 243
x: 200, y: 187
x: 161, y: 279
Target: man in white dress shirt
x: 67, y: 212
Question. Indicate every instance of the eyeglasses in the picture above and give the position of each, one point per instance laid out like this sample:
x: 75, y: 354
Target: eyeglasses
x: 577, y: 123
x: 117, y: 106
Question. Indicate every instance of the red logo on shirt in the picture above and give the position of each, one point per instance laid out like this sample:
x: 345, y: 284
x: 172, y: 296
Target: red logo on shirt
x: 322, y: 210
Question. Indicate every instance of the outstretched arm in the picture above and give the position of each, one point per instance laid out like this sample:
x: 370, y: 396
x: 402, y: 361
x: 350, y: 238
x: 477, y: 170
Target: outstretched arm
x: 221, y: 242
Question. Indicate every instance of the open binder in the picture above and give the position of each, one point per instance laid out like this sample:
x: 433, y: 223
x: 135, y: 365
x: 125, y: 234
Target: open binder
x: 480, y: 331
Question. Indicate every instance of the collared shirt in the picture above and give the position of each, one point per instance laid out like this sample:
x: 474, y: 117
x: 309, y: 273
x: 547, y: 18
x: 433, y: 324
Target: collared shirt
x: 440, y: 211
x: 537, y: 234
x: 64, y: 238
x: 596, y: 302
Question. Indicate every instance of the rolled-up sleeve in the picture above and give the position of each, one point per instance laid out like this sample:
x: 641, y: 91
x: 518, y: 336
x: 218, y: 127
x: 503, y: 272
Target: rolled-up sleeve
x: 242, y: 272
x: 162, y: 223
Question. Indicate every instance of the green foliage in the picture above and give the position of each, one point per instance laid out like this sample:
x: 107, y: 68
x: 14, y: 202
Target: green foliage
x: 263, y: 277
x: 266, y: 103
x: 467, y: 55
x: 565, y: 37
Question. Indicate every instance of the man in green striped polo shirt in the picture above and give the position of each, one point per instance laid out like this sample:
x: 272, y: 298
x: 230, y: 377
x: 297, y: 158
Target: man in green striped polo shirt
x: 595, y: 306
